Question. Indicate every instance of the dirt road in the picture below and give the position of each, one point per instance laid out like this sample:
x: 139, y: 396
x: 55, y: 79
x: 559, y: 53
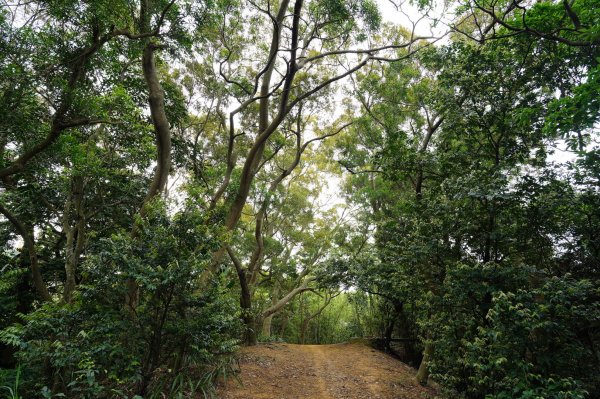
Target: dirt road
x: 342, y: 371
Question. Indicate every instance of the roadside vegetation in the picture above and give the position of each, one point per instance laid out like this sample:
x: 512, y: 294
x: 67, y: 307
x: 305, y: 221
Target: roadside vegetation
x: 180, y: 178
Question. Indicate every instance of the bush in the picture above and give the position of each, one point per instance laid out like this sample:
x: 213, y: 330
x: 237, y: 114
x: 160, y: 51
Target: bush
x: 96, y: 347
x: 537, y: 343
x: 534, y: 342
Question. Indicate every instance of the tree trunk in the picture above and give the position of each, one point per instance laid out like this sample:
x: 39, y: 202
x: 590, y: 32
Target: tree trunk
x: 266, y: 326
x: 303, y: 328
x: 75, y: 236
x: 29, y: 243
x: 389, y: 331
x: 268, y: 320
x: 423, y: 373
x: 156, y: 100
x: 248, y: 318
x: 255, y: 153
x: 284, y: 323
x: 250, y: 336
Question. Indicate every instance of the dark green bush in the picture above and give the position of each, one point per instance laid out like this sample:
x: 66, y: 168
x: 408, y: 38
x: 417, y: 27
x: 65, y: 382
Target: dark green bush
x: 97, y: 347
x: 531, y: 342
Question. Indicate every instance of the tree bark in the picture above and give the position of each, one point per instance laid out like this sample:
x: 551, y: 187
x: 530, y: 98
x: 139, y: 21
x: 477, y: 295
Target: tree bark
x: 285, y: 319
x: 75, y: 236
x: 162, y: 132
x: 266, y: 326
x: 267, y: 321
x: 156, y: 100
x: 263, y: 118
x: 250, y: 336
x: 389, y: 331
x: 283, y: 301
x: 29, y: 242
x: 423, y: 372
x: 255, y: 152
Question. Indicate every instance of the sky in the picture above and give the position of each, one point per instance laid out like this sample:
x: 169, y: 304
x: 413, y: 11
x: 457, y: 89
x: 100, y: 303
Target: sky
x: 406, y: 14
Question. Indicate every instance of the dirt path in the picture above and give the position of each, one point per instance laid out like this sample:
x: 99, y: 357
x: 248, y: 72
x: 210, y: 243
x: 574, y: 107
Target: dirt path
x: 342, y: 371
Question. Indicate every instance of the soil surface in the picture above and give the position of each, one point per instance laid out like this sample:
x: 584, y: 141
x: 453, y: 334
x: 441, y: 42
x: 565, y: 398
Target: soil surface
x: 342, y: 371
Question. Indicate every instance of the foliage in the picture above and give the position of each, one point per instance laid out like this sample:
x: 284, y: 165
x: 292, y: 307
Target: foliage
x: 480, y: 246
x: 169, y: 175
x: 349, y: 315
x: 549, y: 324
x: 95, y: 348
x: 12, y: 390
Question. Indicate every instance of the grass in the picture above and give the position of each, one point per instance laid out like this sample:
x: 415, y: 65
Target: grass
x: 191, y: 381
x: 12, y: 391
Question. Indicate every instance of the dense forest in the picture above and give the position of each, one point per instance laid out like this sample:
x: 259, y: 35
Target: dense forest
x: 181, y: 178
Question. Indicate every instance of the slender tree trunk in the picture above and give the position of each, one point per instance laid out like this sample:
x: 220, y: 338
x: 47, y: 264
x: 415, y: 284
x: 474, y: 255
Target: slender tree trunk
x: 74, y: 234
x: 255, y: 153
x: 248, y: 318
x: 423, y: 372
x: 389, y: 331
x: 318, y: 331
x: 303, y: 328
x: 156, y: 100
x: 358, y: 322
x: 250, y: 336
x: 268, y: 320
x: 263, y: 119
x: 266, y: 326
x: 306, y: 323
x: 284, y: 323
x: 265, y: 129
x: 301, y: 308
x: 303, y: 332
x: 29, y: 243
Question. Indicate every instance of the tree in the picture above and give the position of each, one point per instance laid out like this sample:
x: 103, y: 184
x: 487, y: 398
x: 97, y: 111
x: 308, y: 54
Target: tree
x: 444, y: 184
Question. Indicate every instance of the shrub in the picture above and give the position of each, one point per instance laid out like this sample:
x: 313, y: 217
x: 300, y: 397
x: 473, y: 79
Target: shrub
x: 96, y: 347
x: 506, y: 337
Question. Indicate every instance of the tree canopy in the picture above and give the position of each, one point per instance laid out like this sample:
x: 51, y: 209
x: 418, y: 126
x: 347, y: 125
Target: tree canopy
x: 180, y: 178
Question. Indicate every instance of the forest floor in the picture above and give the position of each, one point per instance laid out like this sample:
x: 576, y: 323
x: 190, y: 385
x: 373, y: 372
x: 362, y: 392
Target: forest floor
x: 341, y: 371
